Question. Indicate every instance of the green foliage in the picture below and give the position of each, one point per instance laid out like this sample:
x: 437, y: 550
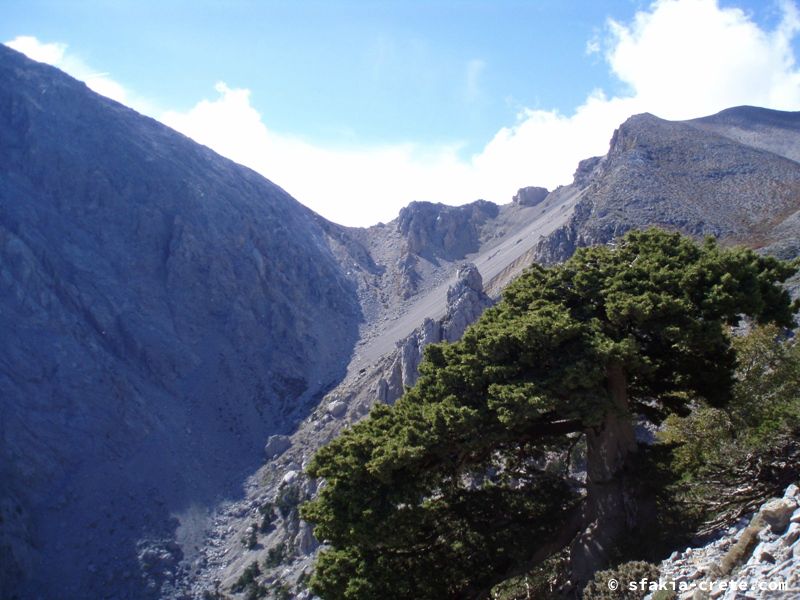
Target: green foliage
x: 287, y: 500
x: 444, y: 494
x: 543, y: 582
x: 741, y: 550
x: 722, y: 457
x: 277, y: 555
x: 267, y: 517
x: 615, y: 584
x: 766, y: 398
x: 281, y: 591
x: 248, y: 583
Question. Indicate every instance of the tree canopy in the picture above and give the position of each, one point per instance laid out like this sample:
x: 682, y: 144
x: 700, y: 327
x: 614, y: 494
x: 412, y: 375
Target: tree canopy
x: 459, y: 486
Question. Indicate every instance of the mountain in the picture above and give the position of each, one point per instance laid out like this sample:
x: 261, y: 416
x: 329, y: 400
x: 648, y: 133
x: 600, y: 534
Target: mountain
x: 163, y: 310
x: 684, y: 176
x: 699, y: 177
x: 171, y: 319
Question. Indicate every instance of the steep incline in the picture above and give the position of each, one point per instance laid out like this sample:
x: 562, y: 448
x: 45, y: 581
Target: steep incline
x: 676, y: 175
x: 162, y: 311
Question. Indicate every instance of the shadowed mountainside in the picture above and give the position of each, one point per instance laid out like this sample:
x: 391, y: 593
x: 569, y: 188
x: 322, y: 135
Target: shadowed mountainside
x: 162, y: 311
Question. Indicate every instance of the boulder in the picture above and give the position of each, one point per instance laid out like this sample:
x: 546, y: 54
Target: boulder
x: 276, y: 445
x: 776, y: 513
x: 530, y: 196
x: 337, y: 409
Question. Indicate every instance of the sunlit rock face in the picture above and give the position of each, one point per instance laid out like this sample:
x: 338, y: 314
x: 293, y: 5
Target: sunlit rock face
x: 734, y: 176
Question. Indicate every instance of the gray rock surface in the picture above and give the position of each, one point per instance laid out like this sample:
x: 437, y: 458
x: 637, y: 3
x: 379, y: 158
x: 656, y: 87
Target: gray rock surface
x: 440, y: 231
x: 530, y: 196
x: 276, y: 445
x: 690, y: 177
x: 466, y: 301
x: 771, y: 570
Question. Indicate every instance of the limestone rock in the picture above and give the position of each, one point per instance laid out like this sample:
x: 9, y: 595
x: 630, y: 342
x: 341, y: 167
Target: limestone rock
x: 776, y: 513
x: 530, y: 196
x: 337, y: 409
x: 436, y: 230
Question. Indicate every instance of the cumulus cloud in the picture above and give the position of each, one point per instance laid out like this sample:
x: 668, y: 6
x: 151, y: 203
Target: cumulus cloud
x: 56, y: 54
x: 677, y: 59
x: 351, y: 185
x: 690, y: 57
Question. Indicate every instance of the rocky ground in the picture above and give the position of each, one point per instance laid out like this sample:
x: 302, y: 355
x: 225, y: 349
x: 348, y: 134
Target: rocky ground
x: 759, y: 557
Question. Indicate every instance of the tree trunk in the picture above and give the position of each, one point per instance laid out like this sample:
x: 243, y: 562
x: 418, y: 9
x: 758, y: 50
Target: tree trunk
x: 610, y: 508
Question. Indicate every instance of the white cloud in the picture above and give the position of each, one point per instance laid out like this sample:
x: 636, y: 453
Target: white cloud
x: 52, y: 54
x: 475, y: 68
x: 56, y: 54
x: 678, y: 58
x: 689, y: 57
x: 349, y: 185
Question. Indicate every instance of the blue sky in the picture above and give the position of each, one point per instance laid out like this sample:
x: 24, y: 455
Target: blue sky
x: 359, y: 107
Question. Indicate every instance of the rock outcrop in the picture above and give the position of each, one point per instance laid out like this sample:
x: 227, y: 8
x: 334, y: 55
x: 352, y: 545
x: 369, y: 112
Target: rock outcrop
x: 530, y: 196
x: 466, y: 301
x: 440, y: 231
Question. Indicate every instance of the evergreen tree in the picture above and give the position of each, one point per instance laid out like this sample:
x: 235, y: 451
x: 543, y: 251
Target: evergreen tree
x: 455, y: 487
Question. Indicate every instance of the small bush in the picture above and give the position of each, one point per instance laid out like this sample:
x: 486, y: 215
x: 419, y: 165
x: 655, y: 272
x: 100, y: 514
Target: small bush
x: 287, y: 500
x: 614, y: 584
x: 277, y: 555
x: 280, y: 591
x: 741, y: 550
x: 543, y: 582
x: 267, y: 517
x: 248, y: 583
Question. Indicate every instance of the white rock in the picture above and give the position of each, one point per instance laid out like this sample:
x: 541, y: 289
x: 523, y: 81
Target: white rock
x: 792, y: 492
x: 777, y: 513
x: 290, y: 477
x: 791, y: 535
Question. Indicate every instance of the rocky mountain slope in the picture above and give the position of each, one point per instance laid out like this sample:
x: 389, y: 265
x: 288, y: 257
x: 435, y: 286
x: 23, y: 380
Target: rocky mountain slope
x: 672, y: 174
x: 170, y: 320
x: 701, y: 177
x: 163, y: 310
